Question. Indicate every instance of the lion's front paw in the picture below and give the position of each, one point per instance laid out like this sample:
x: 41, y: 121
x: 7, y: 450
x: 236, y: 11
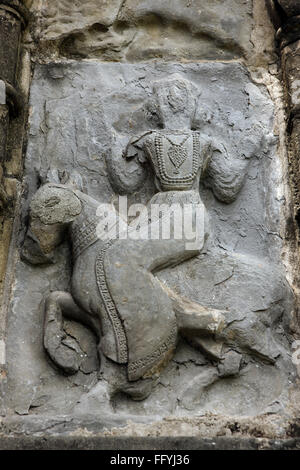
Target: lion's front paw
x: 63, y: 351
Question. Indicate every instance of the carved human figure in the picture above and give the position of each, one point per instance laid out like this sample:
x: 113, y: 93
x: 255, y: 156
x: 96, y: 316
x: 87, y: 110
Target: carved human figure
x: 178, y: 153
x: 114, y: 289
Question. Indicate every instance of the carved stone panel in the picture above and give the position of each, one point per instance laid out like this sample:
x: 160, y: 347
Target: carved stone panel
x: 183, y: 334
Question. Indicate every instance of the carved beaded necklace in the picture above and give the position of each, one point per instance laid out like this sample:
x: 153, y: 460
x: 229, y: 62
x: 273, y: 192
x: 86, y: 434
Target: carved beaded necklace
x: 177, y: 153
x: 181, y: 181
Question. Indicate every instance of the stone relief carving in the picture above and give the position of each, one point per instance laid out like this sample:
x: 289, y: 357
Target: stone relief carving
x: 114, y: 290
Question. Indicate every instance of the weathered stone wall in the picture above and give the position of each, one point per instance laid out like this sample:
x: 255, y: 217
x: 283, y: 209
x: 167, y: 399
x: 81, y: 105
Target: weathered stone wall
x: 14, y: 83
x: 94, y: 64
x: 139, y: 31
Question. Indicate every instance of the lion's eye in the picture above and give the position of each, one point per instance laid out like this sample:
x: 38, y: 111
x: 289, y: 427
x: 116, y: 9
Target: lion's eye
x: 52, y: 201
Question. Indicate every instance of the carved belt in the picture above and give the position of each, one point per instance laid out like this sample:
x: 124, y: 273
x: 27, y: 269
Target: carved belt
x: 140, y: 367
x: 137, y: 368
x: 110, y: 307
x: 84, y: 236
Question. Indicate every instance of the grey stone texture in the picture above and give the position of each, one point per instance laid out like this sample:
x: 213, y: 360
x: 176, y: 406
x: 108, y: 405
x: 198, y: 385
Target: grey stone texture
x: 2, y: 92
x: 146, y: 443
x: 136, y: 31
x: 83, y: 115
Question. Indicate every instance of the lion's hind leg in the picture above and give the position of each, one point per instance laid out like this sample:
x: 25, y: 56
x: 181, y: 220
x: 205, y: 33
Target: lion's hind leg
x: 194, y: 318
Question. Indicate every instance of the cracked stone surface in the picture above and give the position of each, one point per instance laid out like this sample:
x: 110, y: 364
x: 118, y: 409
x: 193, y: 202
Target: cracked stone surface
x: 82, y: 116
x: 134, y: 30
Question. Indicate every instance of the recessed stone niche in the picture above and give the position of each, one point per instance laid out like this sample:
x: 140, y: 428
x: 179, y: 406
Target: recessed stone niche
x: 82, y: 116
